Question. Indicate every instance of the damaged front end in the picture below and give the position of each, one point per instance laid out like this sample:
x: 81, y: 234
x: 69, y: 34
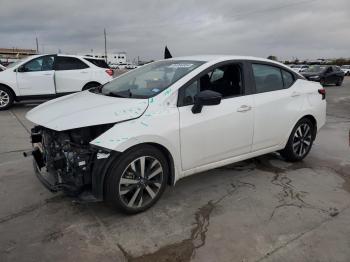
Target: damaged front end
x: 64, y: 160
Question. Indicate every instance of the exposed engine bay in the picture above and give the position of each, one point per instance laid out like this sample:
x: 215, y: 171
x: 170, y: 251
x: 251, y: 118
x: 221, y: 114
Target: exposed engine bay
x: 65, y: 160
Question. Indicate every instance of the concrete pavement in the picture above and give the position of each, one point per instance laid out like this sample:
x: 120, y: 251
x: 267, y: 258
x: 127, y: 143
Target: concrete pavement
x: 258, y: 210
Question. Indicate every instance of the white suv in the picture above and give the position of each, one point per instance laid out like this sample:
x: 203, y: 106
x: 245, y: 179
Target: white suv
x: 346, y: 69
x: 46, y: 76
x: 170, y: 119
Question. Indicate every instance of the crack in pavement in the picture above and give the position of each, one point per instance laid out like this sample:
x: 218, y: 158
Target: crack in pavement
x: 20, y: 121
x: 186, y: 249
x: 289, y: 195
x: 32, y: 208
x: 16, y: 151
x: 275, y: 250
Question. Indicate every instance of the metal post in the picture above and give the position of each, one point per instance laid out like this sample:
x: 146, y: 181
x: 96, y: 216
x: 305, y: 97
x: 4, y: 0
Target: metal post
x: 105, y: 45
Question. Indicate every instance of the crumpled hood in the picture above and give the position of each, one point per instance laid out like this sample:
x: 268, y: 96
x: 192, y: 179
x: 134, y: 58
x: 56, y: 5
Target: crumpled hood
x: 85, y: 109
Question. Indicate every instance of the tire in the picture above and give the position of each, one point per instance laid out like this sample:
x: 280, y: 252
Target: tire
x: 127, y: 188
x: 339, y: 83
x: 302, y: 139
x: 6, y: 98
x: 90, y: 85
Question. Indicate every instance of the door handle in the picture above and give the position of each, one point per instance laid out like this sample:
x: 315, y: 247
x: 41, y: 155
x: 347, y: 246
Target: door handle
x: 84, y: 72
x: 295, y: 94
x: 47, y: 74
x: 244, y: 108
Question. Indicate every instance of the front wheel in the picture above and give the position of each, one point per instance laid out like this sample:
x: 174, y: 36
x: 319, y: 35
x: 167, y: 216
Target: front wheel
x: 300, y: 141
x: 137, y: 179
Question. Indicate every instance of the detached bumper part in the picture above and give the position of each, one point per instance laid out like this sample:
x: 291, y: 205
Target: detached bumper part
x: 49, y: 180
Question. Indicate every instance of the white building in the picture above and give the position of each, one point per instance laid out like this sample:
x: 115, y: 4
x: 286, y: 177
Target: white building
x: 112, y: 58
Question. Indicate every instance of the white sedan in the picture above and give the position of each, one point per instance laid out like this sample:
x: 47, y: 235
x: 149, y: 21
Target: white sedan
x: 47, y: 76
x: 128, y: 140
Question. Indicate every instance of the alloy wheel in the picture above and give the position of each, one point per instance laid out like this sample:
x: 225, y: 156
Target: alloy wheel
x: 302, y: 140
x: 4, y: 98
x: 141, y: 182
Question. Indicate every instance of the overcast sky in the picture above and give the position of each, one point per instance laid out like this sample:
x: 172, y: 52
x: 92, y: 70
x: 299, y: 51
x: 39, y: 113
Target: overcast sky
x: 285, y: 28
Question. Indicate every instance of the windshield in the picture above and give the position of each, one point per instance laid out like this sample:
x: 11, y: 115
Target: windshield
x: 345, y: 66
x: 149, y: 80
x: 15, y: 63
x: 315, y: 69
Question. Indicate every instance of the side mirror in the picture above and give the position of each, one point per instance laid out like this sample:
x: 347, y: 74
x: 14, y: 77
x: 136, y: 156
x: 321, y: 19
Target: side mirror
x: 205, y: 98
x: 22, y: 69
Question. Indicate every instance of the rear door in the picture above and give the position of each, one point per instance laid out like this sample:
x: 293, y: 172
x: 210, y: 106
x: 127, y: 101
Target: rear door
x: 71, y: 74
x: 278, y: 101
x: 218, y: 132
x: 36, y: 77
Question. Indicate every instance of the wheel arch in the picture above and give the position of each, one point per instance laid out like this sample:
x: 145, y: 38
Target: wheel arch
x: 88, y: 83
x: 100, y: 173
x: 307, y: 116
x: 11, y: 90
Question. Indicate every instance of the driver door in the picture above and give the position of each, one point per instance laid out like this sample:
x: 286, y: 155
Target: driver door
x: 36, y: 77
x: 218, y: 132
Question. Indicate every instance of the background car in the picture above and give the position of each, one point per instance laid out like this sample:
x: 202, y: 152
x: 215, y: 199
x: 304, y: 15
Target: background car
x: 325, y: 74
x: 299, y: 68
x: 131, y: 66
x: 47, y: 76
x: 346, y: 69
x: 2, y: 68
x: 128, y: 140
x: 114, y: 66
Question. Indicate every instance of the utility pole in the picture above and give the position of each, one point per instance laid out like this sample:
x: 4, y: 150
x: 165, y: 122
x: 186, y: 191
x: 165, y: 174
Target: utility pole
x: 105, y: 45
x: 37, y: 45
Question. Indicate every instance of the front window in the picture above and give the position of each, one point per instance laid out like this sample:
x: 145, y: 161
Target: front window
x: 149, y: 80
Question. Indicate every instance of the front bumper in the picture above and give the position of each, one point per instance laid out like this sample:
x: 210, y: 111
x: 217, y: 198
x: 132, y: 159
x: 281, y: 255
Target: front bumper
x: 81, y: 176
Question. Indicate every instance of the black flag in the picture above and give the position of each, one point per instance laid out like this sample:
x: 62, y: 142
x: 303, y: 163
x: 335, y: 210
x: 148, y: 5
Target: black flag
x: 167, y: 53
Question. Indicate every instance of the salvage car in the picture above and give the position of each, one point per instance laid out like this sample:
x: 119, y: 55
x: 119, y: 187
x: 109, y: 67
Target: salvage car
x: 325, y: 74
x: 125, y: 141
x: 48, y: 76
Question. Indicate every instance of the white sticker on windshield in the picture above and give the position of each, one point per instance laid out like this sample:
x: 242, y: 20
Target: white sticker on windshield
x: 180, y: 65
x: 156, y: 90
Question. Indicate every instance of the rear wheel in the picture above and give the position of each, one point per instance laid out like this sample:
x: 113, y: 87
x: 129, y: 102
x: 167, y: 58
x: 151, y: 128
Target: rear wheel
x: 90, y: 85
x: 137, y: 179
x: 300, y: 141
x: 339, y: 83
x: 6, y: 98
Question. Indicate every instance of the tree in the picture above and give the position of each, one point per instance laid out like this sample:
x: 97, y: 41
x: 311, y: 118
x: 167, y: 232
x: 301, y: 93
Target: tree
x: 272, y: 57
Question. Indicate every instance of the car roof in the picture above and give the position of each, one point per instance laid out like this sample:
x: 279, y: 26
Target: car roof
x: 222, y: 58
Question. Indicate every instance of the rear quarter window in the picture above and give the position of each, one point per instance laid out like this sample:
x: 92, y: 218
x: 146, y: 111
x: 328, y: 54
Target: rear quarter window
x: 267, y: 78
x: 98, y: 62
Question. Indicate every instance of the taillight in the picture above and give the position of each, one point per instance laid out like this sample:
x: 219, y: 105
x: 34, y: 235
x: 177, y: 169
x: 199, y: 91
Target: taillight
x: 109, y: 72
x: 322, y: 92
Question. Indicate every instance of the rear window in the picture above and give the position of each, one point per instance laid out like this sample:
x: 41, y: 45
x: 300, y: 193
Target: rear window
x: 98, y: 62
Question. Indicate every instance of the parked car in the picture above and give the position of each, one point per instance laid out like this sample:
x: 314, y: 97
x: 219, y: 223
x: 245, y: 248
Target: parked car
x: 129, y: 139
x: 131, y: 66
x: 325, y: 74
x: 299, y: 68
x: 2, y: 68
x: 114, y: 66
x: 346, y: 69
x: 47, y: 76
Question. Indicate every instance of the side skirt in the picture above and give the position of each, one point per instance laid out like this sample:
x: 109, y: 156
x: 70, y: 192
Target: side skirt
x: 40, y: 97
